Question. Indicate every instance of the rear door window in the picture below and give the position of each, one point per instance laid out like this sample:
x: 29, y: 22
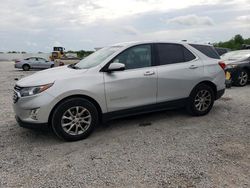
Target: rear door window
x: 188, y: 55
x: 207, y: 50
x: 173, y: 53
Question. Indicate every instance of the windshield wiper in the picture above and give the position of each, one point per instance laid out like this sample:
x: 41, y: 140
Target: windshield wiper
x: 73, y: 66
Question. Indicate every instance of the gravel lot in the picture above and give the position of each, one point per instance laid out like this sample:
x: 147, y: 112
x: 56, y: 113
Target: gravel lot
x: 166, y: 149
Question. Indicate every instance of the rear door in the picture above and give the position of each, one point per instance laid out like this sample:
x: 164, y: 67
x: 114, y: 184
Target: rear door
x: 136, y: 85
x: 179, y: 70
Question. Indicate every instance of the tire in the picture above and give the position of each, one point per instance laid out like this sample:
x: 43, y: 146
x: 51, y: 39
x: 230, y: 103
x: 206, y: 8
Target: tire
x: 201, y: 100
x: 79, y: 126
x: 51, y: 66
x: 242, y: 78
x: 26, y: 67
x: 228, y: 83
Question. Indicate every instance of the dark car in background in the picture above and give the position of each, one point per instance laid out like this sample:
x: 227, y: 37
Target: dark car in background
x: 238, y: 66
x: 222, y: 51
x: 245, y: 46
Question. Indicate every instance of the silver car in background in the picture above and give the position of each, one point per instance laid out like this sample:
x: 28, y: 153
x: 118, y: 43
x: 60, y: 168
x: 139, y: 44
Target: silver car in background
x: 33, y: 63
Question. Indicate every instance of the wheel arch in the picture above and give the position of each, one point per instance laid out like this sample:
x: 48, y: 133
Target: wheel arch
x: 25, y: 64
x: 209, y: 83
x: 90, y: 99
x: 247, y: 68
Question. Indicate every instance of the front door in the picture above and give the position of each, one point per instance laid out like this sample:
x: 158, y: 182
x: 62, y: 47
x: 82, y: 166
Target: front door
x: 136, y: 85
x: 36, y: 63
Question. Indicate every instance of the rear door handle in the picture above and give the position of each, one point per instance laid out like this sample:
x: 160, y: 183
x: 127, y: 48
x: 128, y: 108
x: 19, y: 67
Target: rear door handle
x: 193, y: 67
x: 149, y: 73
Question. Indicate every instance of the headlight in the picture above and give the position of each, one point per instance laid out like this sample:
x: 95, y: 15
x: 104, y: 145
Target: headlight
x: 29, y: 91
x: 230, y: 66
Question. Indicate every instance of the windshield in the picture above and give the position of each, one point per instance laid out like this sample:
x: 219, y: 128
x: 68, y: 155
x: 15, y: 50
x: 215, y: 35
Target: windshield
x: 97, y: 57
x: 236, y: 55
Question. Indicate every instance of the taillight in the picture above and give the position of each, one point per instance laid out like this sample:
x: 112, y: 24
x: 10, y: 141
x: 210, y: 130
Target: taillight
x: 222, y: 65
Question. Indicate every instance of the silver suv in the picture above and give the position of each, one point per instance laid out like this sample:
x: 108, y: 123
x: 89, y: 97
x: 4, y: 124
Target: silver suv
x: 120, y: 80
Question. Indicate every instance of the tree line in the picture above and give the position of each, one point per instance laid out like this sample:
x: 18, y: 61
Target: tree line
x: 235, y: 43
x: 81, y: 53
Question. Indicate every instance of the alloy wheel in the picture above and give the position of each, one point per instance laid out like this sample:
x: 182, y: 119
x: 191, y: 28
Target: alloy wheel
x: 243, y: 78
x: 76, y: 120
x: 203, y: 100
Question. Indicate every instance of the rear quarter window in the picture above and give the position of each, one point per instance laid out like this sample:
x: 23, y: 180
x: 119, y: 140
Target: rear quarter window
x: 207, y: 50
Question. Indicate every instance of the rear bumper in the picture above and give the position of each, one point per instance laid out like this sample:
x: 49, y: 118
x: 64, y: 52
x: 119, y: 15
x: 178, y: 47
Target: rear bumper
x: 220, y: 93
x: 34, y: 126
x: 17, y: 66
x: 235, y: 72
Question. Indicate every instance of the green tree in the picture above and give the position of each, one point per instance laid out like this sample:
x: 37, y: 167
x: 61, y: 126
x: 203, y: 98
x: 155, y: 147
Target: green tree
x: 235, y: 43
x: 81, y: 53
x: 238, y: 39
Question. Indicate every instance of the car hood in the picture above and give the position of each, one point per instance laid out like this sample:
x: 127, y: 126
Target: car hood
x: 50, y: 76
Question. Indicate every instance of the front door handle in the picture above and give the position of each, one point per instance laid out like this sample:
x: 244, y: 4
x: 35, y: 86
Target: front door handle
x: 193, y: 67
x: 149, y: 73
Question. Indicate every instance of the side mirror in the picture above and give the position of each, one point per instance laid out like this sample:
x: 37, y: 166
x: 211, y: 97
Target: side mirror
x: 116, y: 67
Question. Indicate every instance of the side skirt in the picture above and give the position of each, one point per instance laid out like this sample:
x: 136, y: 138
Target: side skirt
x: 145, y: 109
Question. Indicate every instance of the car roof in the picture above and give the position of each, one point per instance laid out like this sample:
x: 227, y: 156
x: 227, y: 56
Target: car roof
x: 240, y: 51
x: 131, y: 43
x: 244, y: 50
x: 35, y: 57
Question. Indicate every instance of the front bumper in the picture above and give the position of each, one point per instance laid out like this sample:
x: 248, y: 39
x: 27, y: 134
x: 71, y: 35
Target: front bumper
x: 35, y: 126
x: 34, y: 109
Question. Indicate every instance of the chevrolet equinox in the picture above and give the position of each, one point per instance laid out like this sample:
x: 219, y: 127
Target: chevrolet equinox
x: 120, y: 80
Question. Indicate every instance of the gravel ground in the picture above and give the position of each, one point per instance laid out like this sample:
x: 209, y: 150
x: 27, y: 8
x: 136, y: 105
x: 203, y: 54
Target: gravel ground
x: 166, y: 149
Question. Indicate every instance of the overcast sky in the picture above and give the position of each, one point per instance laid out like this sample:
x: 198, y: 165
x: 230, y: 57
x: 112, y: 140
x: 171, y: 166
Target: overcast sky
x: 38, y: 25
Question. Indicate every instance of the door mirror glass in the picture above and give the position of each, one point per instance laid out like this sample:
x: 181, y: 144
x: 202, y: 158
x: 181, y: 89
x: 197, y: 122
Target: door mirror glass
x: 116, y: 67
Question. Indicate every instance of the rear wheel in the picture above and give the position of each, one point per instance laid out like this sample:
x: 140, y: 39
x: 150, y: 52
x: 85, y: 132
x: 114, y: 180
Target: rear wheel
x: 51, y: 66
x: 242, y: 78
x: 201, y: 100
x: 74, y: 119
x: 26, y: 67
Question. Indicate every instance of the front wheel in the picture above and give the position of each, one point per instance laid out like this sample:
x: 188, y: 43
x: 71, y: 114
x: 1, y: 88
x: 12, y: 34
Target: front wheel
x: 201, y: 100
x: 74, y: 119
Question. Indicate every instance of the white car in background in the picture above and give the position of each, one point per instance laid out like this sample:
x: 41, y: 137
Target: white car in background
x: 33, y: 63
x: 117, y: 81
